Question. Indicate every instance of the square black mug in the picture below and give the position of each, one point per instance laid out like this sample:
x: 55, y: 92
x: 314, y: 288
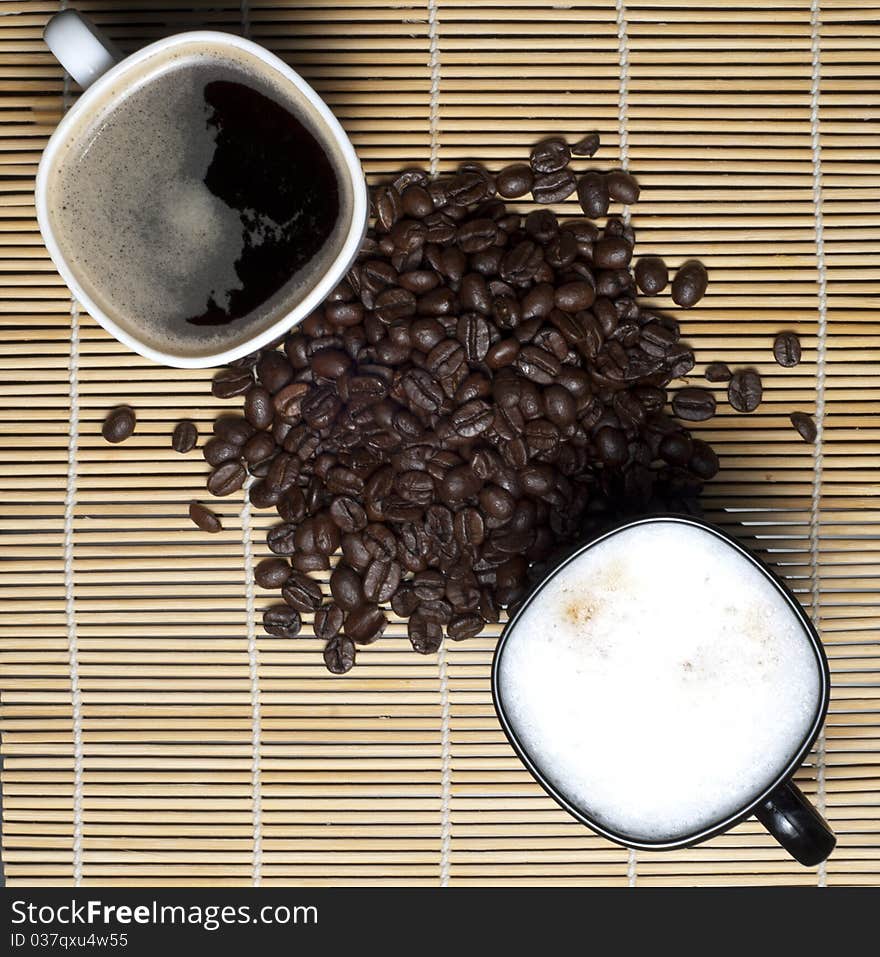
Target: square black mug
x: 781, y: 807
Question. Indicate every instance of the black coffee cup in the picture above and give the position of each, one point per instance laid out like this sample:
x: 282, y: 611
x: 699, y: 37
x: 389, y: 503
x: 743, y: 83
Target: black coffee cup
x: 781, y: 807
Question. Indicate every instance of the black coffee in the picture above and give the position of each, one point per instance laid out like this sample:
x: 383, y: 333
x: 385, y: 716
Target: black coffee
x: 273, y: 171
x: 202, y: 203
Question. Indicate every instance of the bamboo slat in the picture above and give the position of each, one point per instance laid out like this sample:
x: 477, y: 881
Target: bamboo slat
x: 398, y: 773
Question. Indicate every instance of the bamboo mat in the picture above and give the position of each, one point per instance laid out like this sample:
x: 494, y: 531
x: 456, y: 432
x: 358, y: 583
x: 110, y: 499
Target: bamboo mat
x: 152, y: 734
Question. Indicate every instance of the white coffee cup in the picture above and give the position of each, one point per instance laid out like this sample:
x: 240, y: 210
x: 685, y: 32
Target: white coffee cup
x: 95, y: 63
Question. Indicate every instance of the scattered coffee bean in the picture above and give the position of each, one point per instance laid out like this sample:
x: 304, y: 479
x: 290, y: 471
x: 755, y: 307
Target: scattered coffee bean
x: 282, y: 621
x: 515, y: 181
x: 652, y: 276
x: 745, y: 390
x: 226, y: 478
x: 272, y: 572
x: 689, y: 285
x: 231, y: 381
x: 622, y: 187
x: 184, y: 437
x: 693, y: 404
x: 717, y: 372
x: 586, y: 145
x: 339, y: 655
x: 301, y: 592
x: 365, y: 624
x: 805, y: 426
x: 787, y: 349
x: 204, y: 518
x: 550, y: 155
x: 328, y: 621
x: 119, y: 424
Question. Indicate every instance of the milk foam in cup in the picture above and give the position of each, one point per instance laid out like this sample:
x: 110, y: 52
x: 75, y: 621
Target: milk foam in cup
x: 660, y: 681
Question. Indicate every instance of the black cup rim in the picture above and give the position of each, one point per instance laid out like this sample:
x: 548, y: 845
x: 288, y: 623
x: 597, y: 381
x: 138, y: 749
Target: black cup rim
x: 736, y: 817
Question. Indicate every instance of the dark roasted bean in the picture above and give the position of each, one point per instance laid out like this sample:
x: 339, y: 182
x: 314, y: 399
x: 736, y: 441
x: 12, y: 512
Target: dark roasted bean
x: 204, y: 518
x: 550, y: 155
x: 226, y: 478
x: 554, y: 187
x: 231, y: 382
x: 593, y: 195
x: 651, y: 274
x: 119, y: 424
x: 622, y: 187
x: 328, y: 621
x: 282, y: 621
x: 365, y: 624
x: 339, y: 654
x: 272, y: 572
x: 514, y: 181
x: 689, y: 285
x: 787, y: 349
x: 717, y: 372
x: 586, y: 145
x: 693, y: 404
x: 805, y: 426
x: 185, y: 436
x: 745, y: 390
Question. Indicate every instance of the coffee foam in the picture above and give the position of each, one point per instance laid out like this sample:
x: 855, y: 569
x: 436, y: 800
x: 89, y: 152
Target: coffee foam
x: 133, y: 217
x: 659, y: 681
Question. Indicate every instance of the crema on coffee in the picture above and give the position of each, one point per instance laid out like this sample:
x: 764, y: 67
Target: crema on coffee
x: 198, y: 204
x: 659, y: 681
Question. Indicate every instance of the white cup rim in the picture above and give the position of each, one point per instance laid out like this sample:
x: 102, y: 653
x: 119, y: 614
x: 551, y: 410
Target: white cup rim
x: 316, y: 295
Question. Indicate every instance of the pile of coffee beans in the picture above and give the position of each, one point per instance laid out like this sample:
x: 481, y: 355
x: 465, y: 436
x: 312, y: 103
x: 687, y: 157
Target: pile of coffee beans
x: 480, y: 388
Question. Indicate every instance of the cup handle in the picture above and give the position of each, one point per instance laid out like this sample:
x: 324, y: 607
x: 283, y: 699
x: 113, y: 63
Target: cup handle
x: 796, y: 824
x: 80, y: 47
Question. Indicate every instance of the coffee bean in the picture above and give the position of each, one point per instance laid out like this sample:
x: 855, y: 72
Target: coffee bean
x: 652, y: 275
x: 805, y: 426
x: 272, y: 572
x: 288, y: 401
x: 185, y: 436
x: 204, y: 518
x: 612, y: 253
x: 515, y: 181
x: 346, y: 587
x: 787, y: 349
x: 464, y: 626
x: 416, y: 201
x: 339, y: 655
x: 717, y: 372
x: 231, y: 382
x: 745, y: 390
x: 386, y: 202
x: 593, y: 194
x: 216, y: 451
x: 574, y: 296
x: 550, y: 155
x: 425, y: 632
x: 348, y: 514
x: 554, y: 187
x: 226, y: 478
x: 704, y: 461
x: 282, y: 621
x: 586, y: 145
x: 119, y: 424
x: 328, y: 621
x: 693, y: 404
x: 365, y: 624
x: 307, y: 562
x: 622, y: 187
x: 381, y: 580
x: 259, y: 450
x: 689, y: 285
x: 301, y: 592
x: 538, y: 365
